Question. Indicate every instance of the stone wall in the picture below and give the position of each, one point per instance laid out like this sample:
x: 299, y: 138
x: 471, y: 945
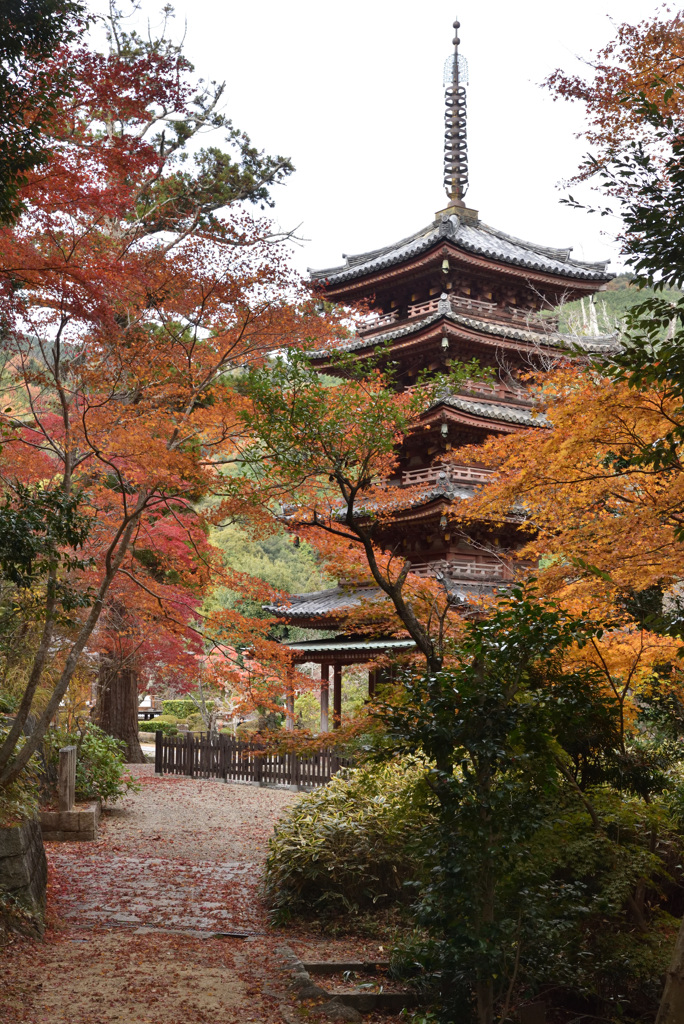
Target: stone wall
x: 23, y: 878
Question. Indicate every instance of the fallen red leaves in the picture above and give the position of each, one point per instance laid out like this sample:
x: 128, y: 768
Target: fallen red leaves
x: 131, y: 928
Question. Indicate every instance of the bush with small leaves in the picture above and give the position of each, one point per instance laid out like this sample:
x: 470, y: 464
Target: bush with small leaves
x: 181, y: 708
x: 19, y: 800
x: 168, y: 724
x: 353, y: 844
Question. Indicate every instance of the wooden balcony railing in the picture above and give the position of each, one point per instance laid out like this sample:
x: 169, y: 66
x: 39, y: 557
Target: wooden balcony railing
x: 455, y: 474
x: 454, y: 570
x: 466, y: 306
x: 376, y: 320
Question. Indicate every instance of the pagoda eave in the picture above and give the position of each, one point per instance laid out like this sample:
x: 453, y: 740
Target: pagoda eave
x: 347, y: 650
x: 431, y: 262
x: 433, y: 509
x: 428, y: 342
x: 442, y: 413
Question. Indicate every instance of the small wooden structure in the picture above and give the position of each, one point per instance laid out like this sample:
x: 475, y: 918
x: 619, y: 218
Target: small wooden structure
x: 334, y: 654
x: 223, y: 757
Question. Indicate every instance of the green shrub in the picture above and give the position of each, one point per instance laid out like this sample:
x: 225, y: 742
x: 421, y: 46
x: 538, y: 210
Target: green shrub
x: 163, y: 723
x: 8, y: 703
x: 101, y: 772
x: 183, y: 708
x: 351, y: 845
x: 570, y: 895
x: 19, y: 800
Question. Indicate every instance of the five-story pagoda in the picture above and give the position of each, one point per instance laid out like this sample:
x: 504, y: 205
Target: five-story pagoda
x: 456, y: 290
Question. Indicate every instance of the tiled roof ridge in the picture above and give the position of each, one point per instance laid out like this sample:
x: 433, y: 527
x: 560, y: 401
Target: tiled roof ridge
x: 494, y: 411
x: 351, y: 261
x: 562, y: 255
x: 321, y: 602
x: 498, y: 330
x: 464, y: 234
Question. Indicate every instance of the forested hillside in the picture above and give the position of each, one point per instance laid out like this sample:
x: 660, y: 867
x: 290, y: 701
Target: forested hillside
x: 278, y: 559
x: 610, y: 305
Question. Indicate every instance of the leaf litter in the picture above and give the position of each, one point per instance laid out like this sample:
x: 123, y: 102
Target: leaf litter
x: 159, y: 920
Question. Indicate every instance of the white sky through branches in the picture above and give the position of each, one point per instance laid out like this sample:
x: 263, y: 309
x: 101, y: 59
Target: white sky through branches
x: 353, y: 94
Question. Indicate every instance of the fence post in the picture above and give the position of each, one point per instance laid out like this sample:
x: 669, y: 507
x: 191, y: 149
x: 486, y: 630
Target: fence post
x: 223, y: 756
x: 158, y: 766
x: 189, y: 754
x: 66, y: 778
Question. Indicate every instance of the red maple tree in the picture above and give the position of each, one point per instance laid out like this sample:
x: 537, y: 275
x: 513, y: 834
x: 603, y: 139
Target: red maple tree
x: 134, y: 290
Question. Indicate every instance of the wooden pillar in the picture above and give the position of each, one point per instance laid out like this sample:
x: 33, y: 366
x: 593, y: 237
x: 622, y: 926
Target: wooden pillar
x: 325, y: 697
x: 66, y: 778
x: 289, y: 702
x: 372, y: 682
x: 337, y: 696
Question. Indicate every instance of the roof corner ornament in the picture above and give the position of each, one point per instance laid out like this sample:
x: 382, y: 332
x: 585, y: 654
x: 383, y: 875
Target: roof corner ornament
x: 455, y: 137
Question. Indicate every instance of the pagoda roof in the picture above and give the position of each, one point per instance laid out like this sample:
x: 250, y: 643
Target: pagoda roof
x: 345, y: 645
x: 337, y: 600
x: 329, y: 604
x: 477, y: 238
x: 500, y: 411
x: 552, y: 339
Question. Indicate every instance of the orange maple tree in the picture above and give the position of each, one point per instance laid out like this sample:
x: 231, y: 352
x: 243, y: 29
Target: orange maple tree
x: 134, y: 289
x: 646, y: 58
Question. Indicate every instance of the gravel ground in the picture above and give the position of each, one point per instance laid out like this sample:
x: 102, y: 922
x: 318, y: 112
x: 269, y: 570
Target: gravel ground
x: 134, y: 916
x: 159, y: 920
x: 195, y: 819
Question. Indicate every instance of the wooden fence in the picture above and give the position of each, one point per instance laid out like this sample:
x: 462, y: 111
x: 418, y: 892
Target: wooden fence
x: 222, y: 757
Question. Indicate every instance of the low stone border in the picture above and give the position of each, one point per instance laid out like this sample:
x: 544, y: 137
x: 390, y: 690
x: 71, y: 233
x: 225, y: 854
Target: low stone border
x: 23, y: 878
x: 343, y: 1006
x: 79, y: 824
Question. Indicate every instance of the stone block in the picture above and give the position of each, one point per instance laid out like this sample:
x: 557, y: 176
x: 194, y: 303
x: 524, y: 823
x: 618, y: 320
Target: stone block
x: 23, y: 877
x: 49, y: 820
x: 70, y: 821
x: 77, y: 825
x: 335, y: 1010
x: 69, y: 837
x: 15, y: 872
x: 89, y: 817
x: 13, y: 841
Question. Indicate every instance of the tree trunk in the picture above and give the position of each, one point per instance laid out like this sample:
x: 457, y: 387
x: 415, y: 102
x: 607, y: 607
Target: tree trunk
x: 671, y: 1009
x: 116, y: 710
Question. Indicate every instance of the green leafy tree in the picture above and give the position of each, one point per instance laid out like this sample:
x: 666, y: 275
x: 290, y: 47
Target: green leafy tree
x: 332, y: 451
x: 502, y: 731
x: 643, y: 174
x: 101, y: 772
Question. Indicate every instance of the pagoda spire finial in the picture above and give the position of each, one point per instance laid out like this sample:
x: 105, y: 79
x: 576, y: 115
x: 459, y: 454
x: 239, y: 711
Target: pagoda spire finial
x: 455, y: 139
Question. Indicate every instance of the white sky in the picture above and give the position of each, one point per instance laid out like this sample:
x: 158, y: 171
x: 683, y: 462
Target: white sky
x: 352, y: 92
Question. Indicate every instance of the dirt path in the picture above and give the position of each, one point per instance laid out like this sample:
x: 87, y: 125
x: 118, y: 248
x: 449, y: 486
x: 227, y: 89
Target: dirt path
x: 183, y: 854
x: 157, y: 922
